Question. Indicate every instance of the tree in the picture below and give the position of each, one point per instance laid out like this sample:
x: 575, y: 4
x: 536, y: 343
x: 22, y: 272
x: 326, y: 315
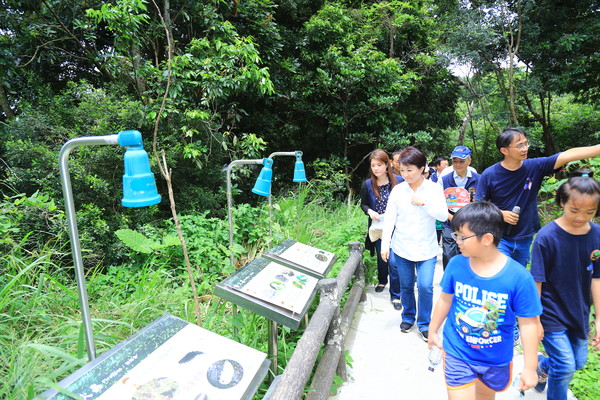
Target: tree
x: 562, y: 42
x: 530, y: 47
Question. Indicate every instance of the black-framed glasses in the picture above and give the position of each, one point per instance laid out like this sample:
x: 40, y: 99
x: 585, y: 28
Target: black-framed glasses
x: 457, y: 238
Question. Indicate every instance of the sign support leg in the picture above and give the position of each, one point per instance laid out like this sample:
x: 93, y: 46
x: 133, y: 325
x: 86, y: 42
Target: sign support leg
x: 272, y: 333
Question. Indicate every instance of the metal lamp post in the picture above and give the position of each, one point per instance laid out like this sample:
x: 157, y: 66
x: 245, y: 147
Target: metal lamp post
x: 262, y: 187
x: 139, y: 190
x: 299, y: 176
x: 230, y: 197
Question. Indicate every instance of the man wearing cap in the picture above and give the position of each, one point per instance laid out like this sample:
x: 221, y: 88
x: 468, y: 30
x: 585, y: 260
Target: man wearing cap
x: 461, y: 177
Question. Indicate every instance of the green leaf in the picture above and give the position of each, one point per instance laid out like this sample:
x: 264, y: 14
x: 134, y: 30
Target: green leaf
x: 136, y: 241
x: 171, y: 241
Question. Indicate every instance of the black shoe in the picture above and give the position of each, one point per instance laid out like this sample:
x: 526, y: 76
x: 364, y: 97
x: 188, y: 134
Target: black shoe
x: 405, y: 327
x: 397, y: 304
x: 425, y: 335
x: 379, y: 288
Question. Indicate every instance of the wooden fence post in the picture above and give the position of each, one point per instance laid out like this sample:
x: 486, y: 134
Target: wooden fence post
x: 326, y: 323
x: 297, y: 372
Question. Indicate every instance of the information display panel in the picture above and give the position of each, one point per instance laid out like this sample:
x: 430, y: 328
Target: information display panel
x: 169, y: 359
x: 275, y: 291
x: 310, y: 260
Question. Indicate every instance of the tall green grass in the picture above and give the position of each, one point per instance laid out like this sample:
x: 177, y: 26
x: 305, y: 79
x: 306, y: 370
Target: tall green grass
x: 41, y: 335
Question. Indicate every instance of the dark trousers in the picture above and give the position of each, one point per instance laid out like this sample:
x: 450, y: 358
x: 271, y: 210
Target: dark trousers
x: 449, y: 246
x: 383, y: 270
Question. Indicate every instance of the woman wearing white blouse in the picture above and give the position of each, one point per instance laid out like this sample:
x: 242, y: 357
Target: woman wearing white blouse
x: 409, y: 240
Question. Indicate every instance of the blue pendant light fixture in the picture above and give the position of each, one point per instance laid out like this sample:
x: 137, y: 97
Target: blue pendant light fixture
x: 299, y: 173
x: 262, y: 186
x: 139, y: 190
x: 139, y: 186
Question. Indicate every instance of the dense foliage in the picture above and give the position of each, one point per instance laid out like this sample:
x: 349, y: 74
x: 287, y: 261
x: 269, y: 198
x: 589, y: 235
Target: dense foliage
x: 241, y: 79
x: 41, y: 338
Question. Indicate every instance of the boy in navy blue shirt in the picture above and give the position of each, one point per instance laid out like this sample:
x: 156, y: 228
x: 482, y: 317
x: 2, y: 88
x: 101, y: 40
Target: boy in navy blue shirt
x: 483, y: 293
x: 515, y: 182
x: 566, y: 268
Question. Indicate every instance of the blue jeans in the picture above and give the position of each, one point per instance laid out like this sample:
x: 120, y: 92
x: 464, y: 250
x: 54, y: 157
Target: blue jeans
x: 518, y: 250
x: 383, y: 269
x: 566, y: 354
x: 424, y: 276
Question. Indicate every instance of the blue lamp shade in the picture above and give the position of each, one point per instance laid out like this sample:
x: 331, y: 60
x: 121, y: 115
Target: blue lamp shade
x: 139, y: 186
x: 262, y: 186
x: 299, y: 173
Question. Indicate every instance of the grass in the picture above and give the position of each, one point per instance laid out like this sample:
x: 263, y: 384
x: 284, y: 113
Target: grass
x: 41, y: 335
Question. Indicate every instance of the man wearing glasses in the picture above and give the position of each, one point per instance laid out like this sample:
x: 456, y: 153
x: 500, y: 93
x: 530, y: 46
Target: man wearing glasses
x: 513, y: 184
x: 461, y: 177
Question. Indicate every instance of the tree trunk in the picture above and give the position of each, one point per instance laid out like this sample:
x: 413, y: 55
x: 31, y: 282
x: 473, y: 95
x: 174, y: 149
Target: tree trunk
x: 5, y: 104
x: 392, y: 33
x: 543, y: 118
x: 513, y: 48
x: 466, y: 119
x: 139, y: 81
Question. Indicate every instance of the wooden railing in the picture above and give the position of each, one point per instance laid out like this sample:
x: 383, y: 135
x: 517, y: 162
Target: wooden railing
x: 329, y: 327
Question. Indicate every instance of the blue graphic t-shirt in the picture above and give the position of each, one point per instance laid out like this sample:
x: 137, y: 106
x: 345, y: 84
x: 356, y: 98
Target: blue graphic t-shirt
x: 508, y: 189
x: 566, y: 264
x: 480, y: 324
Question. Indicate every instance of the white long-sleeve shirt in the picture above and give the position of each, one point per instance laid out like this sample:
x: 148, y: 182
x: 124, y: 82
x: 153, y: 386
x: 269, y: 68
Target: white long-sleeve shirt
x: 414, y: 237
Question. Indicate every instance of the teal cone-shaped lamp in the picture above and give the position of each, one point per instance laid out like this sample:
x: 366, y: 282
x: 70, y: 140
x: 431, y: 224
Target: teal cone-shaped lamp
x: 262, y: 186
x: 299, y: 173
x: 139, y: 186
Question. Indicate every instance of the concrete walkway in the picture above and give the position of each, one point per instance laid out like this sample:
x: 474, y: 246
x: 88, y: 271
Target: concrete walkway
x: 389, y: 364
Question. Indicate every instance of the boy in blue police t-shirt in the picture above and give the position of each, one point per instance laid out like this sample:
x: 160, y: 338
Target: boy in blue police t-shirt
x: 483, y: 293
x: 515, y: 182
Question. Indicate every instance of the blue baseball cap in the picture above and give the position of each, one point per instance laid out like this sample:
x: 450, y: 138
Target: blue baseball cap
x: 461, y: 152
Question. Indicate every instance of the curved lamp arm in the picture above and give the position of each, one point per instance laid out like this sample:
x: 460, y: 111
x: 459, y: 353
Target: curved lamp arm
x: 230, y: 201
x: 299, y: 176
x: 132, y: 140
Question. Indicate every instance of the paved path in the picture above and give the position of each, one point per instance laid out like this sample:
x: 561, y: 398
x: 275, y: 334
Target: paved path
x: 389, y: 364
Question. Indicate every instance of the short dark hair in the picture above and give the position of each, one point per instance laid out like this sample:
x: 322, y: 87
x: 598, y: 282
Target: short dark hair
x: 413, y: 156
x: 506, y: 137
x: 581, y: 184
x: 437, y: 161
x: 482, y: 217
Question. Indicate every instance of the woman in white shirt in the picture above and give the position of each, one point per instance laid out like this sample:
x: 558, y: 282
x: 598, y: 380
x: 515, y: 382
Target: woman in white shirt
x: 409, y: 240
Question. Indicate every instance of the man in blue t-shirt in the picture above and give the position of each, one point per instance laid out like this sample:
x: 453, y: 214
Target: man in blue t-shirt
x: 513, y: 184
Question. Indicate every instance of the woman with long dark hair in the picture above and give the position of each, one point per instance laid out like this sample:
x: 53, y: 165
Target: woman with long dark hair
x: 374, y: 197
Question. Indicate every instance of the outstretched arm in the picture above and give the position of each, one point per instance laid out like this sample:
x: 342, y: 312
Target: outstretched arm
x: 576, y: 153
